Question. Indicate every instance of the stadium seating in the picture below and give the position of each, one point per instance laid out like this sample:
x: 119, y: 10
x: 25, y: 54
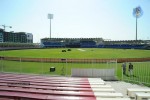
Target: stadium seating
x: 121, y: 46
x: 73, y: 45
x: 94, y: 44
x: 88, y: 44
x: 131, y: 92
x: 52, y: 44
x: 142, y: 96
x: 22, y: 86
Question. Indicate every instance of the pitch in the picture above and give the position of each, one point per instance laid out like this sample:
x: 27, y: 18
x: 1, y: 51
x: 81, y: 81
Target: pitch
x: 78, y: 53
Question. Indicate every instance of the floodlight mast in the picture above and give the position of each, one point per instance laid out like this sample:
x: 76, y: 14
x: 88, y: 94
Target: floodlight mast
x: 137, y: 13
x: 50, y: 16
x: 136, y: 30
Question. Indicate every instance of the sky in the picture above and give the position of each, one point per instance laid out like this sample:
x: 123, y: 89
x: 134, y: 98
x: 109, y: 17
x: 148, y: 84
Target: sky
x: 107, y: 19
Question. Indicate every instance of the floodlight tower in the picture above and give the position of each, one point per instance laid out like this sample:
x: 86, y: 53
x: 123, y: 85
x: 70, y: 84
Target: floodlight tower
x: 6, y: 26
x: 50, y: 16
x: 137, y: 13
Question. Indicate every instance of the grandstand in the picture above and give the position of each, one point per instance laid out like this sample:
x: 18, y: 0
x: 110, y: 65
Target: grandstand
x: 70, y: 42
x: 36, y: 87
x: 94, y: 43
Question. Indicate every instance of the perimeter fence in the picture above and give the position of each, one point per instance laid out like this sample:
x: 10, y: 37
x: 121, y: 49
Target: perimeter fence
x: 59, y: 67
x: 83, y: 67
x: 140, y: 75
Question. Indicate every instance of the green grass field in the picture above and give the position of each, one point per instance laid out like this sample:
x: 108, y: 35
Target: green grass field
x: 78, y: 53
x: 141, y: 70
x: 43, y: 68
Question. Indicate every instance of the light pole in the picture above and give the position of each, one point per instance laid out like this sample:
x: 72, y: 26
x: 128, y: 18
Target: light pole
x: 50, y: 16
x: 6, y: 26
x: 137, y: 13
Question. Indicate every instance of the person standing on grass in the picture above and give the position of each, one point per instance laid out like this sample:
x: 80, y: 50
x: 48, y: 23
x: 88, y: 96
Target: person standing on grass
x: 131, y: 69
x: 124, y: 68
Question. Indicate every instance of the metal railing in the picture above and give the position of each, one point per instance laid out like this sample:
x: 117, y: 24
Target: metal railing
x: 141, y: 73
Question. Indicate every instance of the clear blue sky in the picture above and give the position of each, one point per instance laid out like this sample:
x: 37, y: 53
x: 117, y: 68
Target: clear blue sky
x: 109, y: 19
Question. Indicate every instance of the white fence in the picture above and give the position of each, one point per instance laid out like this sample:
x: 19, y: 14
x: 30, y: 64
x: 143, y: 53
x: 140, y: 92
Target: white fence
x: 141, y: 73
x: 62, y: 67
x: 105, y: 74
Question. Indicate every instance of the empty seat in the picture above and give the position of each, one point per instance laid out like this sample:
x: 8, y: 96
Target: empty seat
x: 142, y: 96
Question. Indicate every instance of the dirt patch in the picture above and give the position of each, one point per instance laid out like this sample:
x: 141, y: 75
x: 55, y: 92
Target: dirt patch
x: 81, y: 50
x: 57, y: 60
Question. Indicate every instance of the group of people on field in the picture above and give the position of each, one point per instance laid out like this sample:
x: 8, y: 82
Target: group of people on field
x: 130, y: 69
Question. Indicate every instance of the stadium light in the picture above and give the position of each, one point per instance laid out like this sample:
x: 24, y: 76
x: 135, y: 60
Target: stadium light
x: 137, y: 13
x: 50, y: 16
x: 6, y: 26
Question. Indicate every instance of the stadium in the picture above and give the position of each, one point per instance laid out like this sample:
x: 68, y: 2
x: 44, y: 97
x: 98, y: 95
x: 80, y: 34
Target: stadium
x: 94, y: 43
x: 74, y: 68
